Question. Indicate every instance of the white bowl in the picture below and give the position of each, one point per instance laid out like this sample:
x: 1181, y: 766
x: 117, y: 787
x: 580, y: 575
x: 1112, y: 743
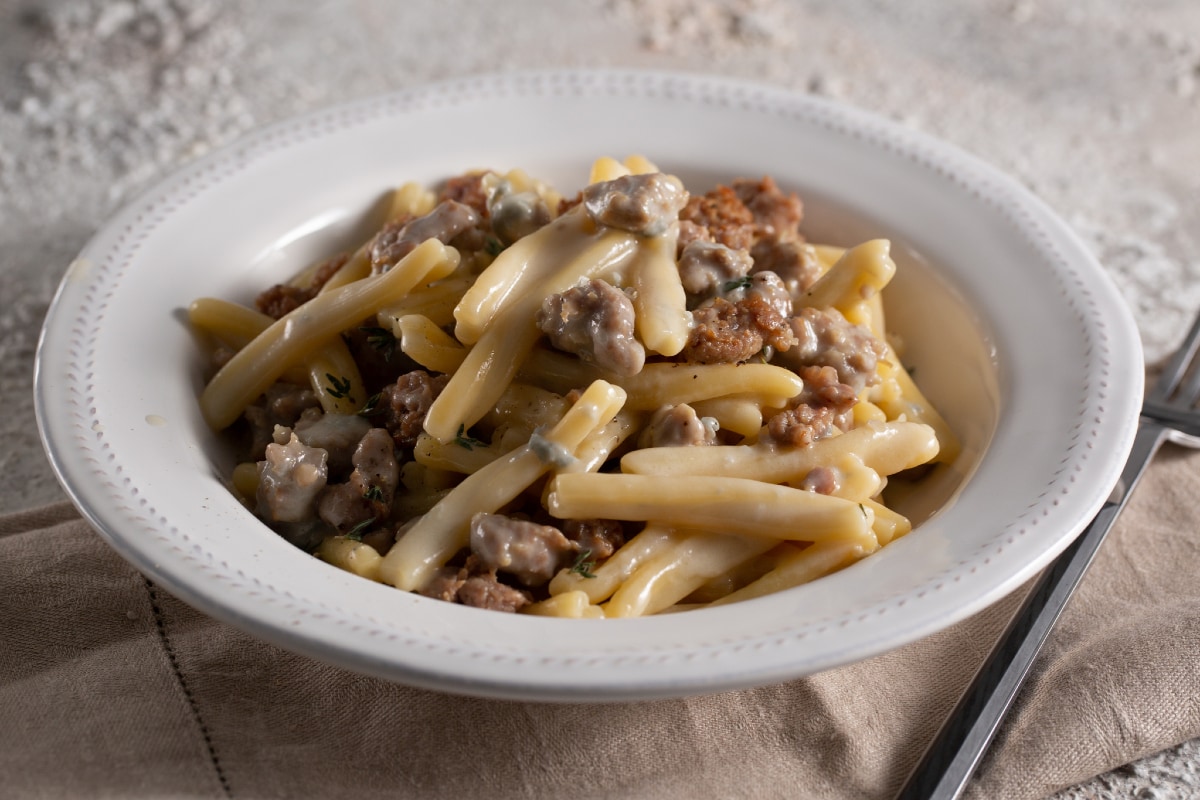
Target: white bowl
x: 1013, y: 329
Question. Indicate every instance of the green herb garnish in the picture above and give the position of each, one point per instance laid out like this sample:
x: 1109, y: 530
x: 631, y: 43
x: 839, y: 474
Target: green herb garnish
x: 371, y: 406
x: 584, y: 564
x: 373, y: 492
x: 382, y: 340
x: 743, y: 282
x: 463, y: 440
x: 338, y: 387
x: 355, y: 534
x: 493, y: 246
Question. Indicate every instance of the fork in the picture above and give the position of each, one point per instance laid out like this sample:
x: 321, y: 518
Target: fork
x: 1169, y: 411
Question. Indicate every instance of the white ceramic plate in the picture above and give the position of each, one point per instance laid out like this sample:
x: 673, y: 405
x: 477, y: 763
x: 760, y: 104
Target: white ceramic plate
x: 1013, y: 330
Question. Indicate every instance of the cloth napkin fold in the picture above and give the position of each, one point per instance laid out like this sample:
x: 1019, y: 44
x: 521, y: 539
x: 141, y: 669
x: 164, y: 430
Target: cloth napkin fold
x: 110, y: 687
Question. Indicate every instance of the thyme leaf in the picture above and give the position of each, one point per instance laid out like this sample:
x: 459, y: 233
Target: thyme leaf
x: 355, y: 534
x: 743, y: 282
x: 463, y: 440
x: 371, y: 406
x: 584, y: 564
x: 338, y: 387
x: 382, y: 339
x: 373, y: 492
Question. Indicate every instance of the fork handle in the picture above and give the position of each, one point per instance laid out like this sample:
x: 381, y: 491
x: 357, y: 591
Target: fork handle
x: 951, y: 759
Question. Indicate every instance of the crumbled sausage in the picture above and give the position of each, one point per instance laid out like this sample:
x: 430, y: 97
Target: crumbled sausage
x: 290, y: 477
x: 328, y: 269
x: 600, y: 538
x: 678, y: 426
x: 282, y: 299
x: 484, y: 591
x: 823, y: 386
x: 368, y: 493
x: 406, y: 402
x: 375, y: 464
x: 774, y: 212
x: 725, y: 332
x: 689, y: 232
x: 794, y: 262
x: 822, y: 480
x: 336, y: 434
x: 723, y: 214
x: 642, y: 204
x: 469, y: 190
x: 595, y: 321
x: 802, y: 425
x: 826, y: 338
x: 530, y: 552
x: 444, y: 584
x: 705, y: 268
x: 219, y: 357
x: 282, y: 404
x: 448, y: 220
x: 766, y: 286
x: 822, y: 409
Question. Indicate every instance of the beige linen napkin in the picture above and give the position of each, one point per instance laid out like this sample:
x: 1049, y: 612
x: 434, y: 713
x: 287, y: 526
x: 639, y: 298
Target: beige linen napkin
x: 109, y: 687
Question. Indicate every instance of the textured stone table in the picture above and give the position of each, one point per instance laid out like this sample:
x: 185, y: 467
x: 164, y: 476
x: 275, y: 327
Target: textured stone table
x: 1095, y: 110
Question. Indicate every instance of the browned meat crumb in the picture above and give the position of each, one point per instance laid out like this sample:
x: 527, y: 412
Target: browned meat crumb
x: 448, y: 220
x: 484, y: 591
x: 821, y: 410
x: 291, y: 477
x: 599, y: 537
x: 445, y: 584
x: 678, y: 426
x: 282, y: 299
x: 775, y: 213
x: 337, y: 434
x: 825, y: 338
x: 725, y: 332
x: 724, y: 215
x: 530, y: 552
x: 794, y: 262
x: 595, y: 321
x: 689, y: 232
x: 282, y: 404
x: 406, y: 402
x: 822, y: 480
x: 469, y: 190
x: 766, y: 286
x: 642, y: 204
x: 368, y: 493
x: 803, y: 424
x: 328, y: 269
x: 705, y: 268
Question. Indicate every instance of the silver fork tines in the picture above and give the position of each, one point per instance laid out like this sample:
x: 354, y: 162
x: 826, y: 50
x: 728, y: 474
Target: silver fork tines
x: 1173, y: 399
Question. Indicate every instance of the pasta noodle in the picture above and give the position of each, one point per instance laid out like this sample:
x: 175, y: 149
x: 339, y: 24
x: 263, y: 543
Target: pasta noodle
x: 603, y: 406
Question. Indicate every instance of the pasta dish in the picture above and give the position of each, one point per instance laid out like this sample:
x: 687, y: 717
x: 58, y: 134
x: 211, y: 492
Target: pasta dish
x: 630, y: 401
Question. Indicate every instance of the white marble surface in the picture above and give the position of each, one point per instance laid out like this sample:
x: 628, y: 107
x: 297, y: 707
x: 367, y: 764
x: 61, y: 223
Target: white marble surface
x: 1095, y: 106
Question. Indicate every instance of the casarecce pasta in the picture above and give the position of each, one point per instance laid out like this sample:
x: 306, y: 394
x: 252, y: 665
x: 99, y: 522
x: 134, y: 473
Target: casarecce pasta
x: 633, y: 401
